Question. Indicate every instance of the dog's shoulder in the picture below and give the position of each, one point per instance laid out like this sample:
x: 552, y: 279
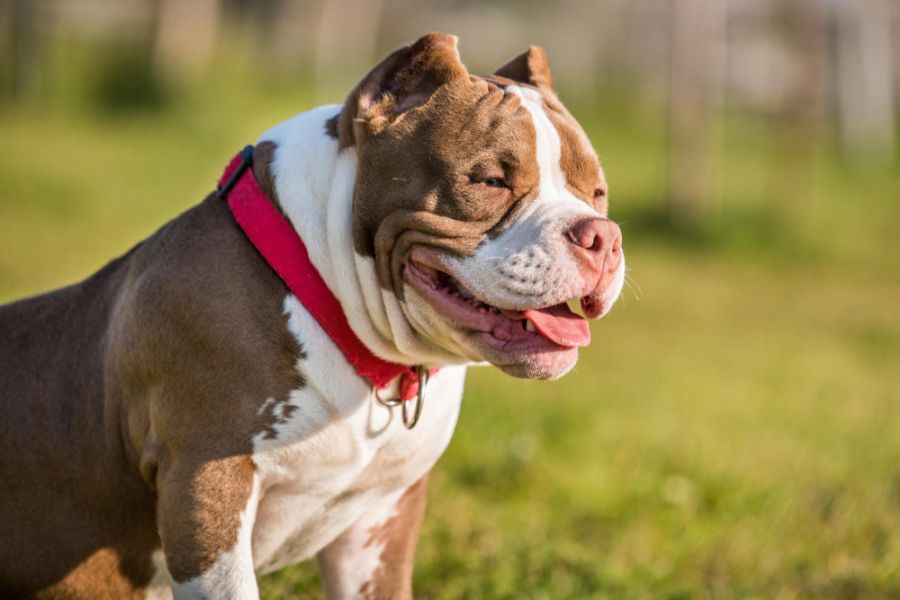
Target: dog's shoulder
x: 199, y: 326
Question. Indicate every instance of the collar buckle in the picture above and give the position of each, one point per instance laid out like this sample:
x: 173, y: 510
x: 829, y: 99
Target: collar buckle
x: 246, y: 162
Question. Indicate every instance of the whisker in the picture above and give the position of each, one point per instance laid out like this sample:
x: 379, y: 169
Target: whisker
x: 634, y: 287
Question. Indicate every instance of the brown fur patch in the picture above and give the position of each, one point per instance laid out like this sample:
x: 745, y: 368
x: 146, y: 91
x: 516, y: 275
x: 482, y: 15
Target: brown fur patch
x: 82, y: 582
x: 401, y: 82
x: 437, y: 163
x: 332, y: 126
x: 263, y: 155
x: 199, y: 511
x: 398, y: 536
x: 530, y: 67
x: 578, y: 161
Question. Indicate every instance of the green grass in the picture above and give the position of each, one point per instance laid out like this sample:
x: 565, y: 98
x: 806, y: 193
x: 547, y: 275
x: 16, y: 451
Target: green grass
x: 734, y: 432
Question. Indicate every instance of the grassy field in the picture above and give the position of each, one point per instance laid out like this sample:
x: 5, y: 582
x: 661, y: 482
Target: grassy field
x: 733, y: 431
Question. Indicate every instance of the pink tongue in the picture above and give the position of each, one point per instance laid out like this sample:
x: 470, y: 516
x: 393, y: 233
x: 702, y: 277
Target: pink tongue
x: 560, y: 325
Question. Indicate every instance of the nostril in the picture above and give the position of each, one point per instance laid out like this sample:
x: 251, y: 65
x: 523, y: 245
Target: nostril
x: 614, y: 259
x: 588, y: 234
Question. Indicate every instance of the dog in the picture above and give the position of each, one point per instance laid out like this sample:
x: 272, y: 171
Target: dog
x: 203, y: 409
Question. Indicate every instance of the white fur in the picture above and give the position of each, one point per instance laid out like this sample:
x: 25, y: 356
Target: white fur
x: 320, y: 474
x: 353, y: 558
x: 615, y: 287
x: 160, y: 586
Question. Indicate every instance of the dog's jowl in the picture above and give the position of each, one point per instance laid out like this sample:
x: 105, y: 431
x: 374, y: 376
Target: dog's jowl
x: 271, y: 376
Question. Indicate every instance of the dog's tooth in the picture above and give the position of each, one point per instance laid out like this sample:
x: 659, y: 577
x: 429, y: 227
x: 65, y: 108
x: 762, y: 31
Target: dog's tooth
x: 529, y: 326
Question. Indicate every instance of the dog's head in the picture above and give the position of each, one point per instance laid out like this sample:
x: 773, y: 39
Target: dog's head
x: 483, y: 206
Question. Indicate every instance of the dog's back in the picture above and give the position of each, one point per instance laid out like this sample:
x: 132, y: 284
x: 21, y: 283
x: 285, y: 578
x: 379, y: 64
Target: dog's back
x: 55, y: 422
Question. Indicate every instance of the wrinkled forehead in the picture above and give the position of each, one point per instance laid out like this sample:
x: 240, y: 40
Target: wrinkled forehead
x: 559, y: 138
x: 494, y: 120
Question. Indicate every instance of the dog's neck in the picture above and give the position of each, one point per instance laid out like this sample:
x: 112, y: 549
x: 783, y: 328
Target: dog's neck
x: 315, y: 183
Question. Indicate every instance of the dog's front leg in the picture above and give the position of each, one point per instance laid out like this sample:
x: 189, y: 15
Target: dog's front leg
x: 373, y: 558
x: 206, y: 510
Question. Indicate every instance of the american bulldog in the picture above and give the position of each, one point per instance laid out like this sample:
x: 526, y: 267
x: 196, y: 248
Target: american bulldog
x: 192, y: 415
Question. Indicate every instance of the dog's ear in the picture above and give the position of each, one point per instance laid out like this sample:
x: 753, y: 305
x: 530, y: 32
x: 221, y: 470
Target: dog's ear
x: 530, y: 67
x: 407, y: 78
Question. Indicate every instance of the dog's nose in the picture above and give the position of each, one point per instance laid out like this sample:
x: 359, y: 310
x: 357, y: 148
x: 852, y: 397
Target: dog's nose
x: 599, y: 241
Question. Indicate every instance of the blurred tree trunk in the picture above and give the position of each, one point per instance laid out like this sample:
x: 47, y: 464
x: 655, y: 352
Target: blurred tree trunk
x: 895, y: 35
x: 20, y: 46
x: 186, y: 35
x: 689, y: 195
x: 797, y: 124
x: 292, y: 34
x: 866, y: 103
x: 347, y: 37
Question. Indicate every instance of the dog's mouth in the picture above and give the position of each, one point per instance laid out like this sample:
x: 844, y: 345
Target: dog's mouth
x: 530, y: 330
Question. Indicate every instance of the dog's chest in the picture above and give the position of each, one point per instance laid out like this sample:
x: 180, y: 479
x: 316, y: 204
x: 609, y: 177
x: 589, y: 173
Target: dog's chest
x: 340, y: 452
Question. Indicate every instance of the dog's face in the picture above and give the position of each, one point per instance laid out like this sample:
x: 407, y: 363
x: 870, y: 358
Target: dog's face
x: 483, y: 206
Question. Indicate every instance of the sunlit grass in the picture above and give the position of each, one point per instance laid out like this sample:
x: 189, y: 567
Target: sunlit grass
x: 732, y: 433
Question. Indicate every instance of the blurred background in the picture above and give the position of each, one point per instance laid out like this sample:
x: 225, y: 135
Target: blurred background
x: 733, y: 431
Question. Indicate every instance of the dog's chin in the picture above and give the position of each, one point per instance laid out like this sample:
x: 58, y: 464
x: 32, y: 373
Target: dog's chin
x: 549, y: 363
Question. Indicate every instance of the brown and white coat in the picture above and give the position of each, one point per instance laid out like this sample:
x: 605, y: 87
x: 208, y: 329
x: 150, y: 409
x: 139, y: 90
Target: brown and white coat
x: 178, y: 423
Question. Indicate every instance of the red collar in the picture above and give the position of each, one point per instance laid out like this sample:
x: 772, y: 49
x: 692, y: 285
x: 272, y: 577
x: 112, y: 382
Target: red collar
x: 281, y: 247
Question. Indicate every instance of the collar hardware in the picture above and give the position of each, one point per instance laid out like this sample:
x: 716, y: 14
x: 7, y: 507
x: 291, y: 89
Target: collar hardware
x: 246, y: 163
x: 410, y: 416
x: 410, y: 421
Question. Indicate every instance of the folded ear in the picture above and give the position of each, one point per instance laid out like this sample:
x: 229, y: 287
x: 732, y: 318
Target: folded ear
x: 530, y: 67
x: 407, y: 78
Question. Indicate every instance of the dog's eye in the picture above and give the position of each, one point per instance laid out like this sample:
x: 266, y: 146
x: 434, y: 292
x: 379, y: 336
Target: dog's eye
x: 599, y: 193
x: 494, y: 182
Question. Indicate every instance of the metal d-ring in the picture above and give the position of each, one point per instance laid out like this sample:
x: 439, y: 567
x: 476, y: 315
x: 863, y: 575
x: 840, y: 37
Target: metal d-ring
x: 410, y: 422
x: 386, y: 402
